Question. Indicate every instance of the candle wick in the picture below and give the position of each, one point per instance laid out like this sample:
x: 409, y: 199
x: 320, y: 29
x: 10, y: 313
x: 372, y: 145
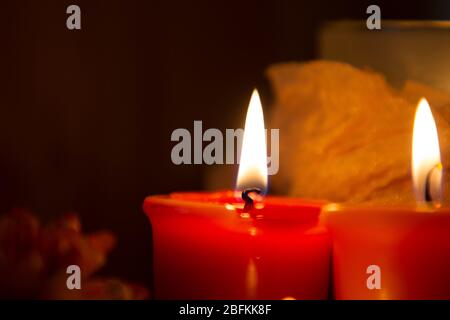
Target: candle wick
x: 249, y: 202
x: 428, y: 195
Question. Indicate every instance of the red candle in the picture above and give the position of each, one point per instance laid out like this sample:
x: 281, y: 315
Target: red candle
x: 396, y: 252
x: 206, y: 247
x: 218, y: 246
x: 411, y: 247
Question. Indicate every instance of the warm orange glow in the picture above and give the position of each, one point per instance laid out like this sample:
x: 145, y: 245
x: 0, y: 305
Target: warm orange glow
x: 426, y: 156
x: 251, y: 279
x: 253, y: 163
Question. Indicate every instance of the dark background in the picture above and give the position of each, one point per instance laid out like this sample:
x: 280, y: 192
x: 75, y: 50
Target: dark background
x: 86, y: 116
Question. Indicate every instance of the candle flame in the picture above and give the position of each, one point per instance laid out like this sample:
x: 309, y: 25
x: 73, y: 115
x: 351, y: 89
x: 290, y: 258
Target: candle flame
x: 253, y: 162
x: 426, y: 156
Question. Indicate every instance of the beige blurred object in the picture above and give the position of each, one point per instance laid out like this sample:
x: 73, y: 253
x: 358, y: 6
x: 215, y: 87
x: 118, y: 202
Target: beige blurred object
x: 401, y: 50
x: 346, y: 134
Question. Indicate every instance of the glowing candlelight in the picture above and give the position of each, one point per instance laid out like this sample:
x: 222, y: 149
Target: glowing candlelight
x: 426, y: 157
x: 253, y: 163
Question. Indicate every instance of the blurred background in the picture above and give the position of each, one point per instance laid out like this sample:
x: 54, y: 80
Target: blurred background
x: 86, y: 116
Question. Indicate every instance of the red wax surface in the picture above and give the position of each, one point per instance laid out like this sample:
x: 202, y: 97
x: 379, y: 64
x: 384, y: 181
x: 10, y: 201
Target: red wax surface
x: 411, y: 245
x: 206, y: 247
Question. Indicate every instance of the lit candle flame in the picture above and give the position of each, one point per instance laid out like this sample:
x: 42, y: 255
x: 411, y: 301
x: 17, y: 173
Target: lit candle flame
x: 253, y: 163
x: 426, y: 156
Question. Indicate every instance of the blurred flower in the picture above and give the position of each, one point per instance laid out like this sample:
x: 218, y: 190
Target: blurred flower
x: 34, y: 258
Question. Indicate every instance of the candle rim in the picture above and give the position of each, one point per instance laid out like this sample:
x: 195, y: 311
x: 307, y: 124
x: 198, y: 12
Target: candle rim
x: 276, y: 208
x: 367, y: 216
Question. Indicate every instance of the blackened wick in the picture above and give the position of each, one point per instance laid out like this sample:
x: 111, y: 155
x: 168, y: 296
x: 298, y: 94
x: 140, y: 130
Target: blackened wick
x: 249, y: 202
